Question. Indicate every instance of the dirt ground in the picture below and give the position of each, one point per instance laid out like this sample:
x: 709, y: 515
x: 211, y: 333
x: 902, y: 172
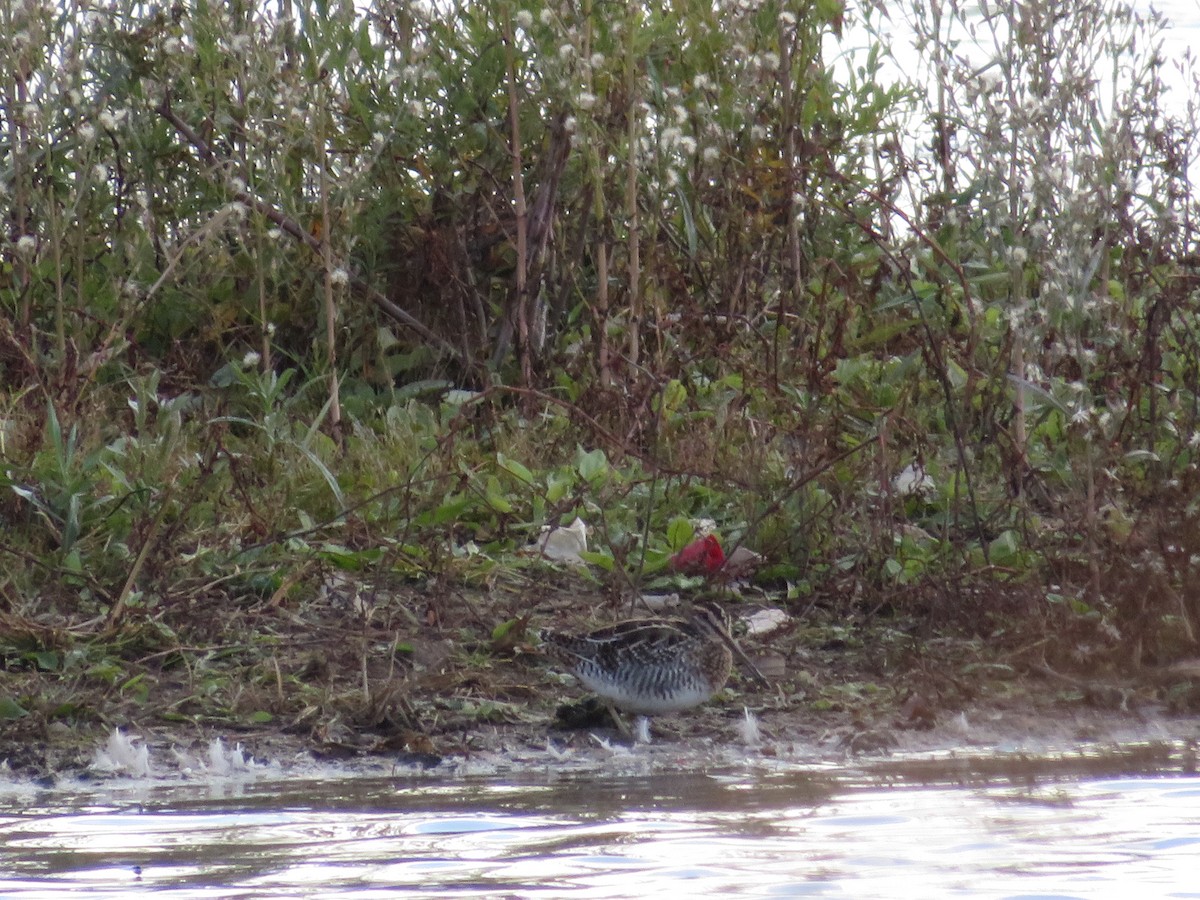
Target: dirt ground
x: 439, y: 677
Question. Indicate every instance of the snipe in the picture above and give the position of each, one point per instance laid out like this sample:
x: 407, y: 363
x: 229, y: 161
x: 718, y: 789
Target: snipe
x: 654, y: 666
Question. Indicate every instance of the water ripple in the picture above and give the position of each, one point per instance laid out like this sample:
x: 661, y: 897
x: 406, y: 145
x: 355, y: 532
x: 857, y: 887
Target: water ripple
x: 812, y: 834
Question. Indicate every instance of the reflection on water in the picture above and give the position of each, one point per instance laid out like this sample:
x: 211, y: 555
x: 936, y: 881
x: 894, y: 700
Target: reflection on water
x: 1006, y: 827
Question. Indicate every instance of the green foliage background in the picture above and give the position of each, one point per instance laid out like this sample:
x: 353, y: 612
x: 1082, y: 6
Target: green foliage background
x: 929, y: 345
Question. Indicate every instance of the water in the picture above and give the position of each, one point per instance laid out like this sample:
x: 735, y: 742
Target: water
x: 1005, y: 827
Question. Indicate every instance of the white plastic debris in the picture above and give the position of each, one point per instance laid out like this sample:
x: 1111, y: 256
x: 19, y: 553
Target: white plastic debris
x: 913, y: 481
x: 563, y: 544
x: 742, y: 562
x: 660, y: 602
x: 765, y: 621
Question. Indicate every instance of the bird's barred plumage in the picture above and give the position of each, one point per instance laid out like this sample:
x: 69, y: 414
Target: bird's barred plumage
x: 653, y: 666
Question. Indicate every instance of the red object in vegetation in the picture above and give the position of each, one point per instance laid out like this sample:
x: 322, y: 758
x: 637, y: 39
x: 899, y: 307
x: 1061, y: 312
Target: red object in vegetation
x: 701, y: 557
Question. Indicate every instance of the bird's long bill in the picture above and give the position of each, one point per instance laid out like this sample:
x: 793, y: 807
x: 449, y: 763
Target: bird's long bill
x: 744, y: 659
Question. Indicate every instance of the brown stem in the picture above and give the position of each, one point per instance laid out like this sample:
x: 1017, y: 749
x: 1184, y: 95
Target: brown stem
x: 518, y: 184
x: 632, y: 119
x: 335, y: 406
x: 293, y: 228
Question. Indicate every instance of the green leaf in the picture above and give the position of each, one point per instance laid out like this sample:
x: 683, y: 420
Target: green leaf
x: 136, y: 686
x: 326, y: 473
x: 679, y: 533
x: 67, y: 710
x: 881, y: 334
x: 1142, y: 456
x: 107, y: 670
x: 429, y: 387
x: 1040, y: 391
x: 592, y: 465
x: 557, y: 485
x: 350, y: 560
x: 674, y: 394
x: 598, y: 558
x: 655, y: 560
x: 689, y: 220
x: 448, y: 512
x: 73, y: 526
x: 224, y: 376
x: 73, y: 563
x: 496, y: 497
x: 47, y: 660
x: 1005, y: 547
x: 11, y: 709
x: 260, y: 717
x: 502, y: 630
x: 514, y: 468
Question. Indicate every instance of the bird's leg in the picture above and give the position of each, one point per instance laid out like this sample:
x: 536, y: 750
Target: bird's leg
x: 619, y: 721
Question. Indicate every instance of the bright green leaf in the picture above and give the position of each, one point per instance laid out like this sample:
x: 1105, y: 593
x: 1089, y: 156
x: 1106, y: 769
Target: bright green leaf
x: 501, y: 630
x: 592, y: 465
x: 514, y: 468
x: 679, y: 533
x: 598, y: 558
x: 448, y: 512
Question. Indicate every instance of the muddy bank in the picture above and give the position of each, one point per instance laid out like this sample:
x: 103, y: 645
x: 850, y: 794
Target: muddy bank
x: 452, y: 681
